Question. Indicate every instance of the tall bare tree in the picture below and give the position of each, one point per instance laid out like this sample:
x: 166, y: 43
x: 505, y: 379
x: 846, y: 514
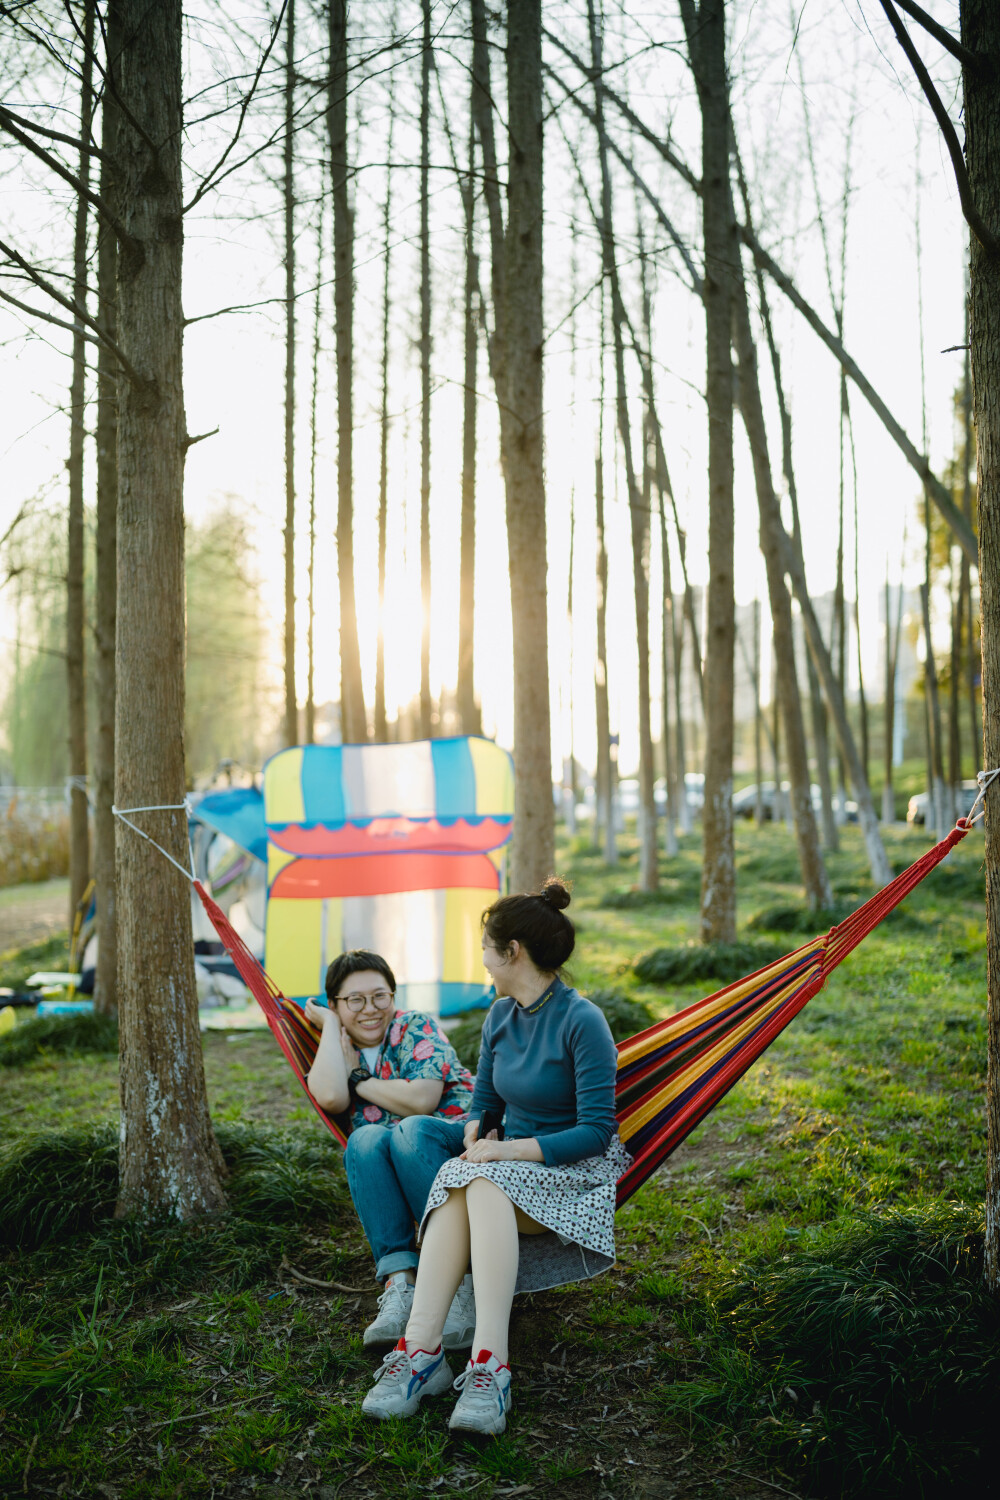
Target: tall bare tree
x: 79, y: 829
x: 534, y: 826
x: 354, y: 726
x: 106, y: 581
x: 604, y: 820
x: 291, y: 727
x: 381, y: 722
x: 814, y: 875
x: 169, y: 1158
x: 638, y: 511
x: 310, y: 705
x: 468, y: 708
x: 705, y: 29
x: 980, y: 20
x: 426, y: 57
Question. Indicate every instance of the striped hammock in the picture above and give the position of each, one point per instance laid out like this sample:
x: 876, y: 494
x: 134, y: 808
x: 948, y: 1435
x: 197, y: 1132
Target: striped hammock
x: 674, y: 1072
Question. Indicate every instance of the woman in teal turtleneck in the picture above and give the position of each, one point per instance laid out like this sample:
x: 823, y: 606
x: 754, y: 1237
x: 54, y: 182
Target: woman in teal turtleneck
x: 532, y: 1209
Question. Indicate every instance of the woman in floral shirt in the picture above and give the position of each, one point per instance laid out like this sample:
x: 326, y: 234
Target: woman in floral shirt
x: 378, y: 1066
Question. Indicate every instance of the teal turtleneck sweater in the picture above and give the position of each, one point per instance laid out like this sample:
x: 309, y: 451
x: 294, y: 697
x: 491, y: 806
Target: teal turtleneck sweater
x: 551, y: 1066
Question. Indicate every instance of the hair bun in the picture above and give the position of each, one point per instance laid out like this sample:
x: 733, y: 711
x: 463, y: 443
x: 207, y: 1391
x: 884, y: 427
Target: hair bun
x: 555, y: 893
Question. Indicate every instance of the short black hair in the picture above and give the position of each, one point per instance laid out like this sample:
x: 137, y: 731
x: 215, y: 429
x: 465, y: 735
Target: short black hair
x: 356, y: 961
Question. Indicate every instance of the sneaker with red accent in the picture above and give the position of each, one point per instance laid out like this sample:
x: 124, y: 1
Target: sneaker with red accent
x: 485, y: 1399
x: 404, y: 1380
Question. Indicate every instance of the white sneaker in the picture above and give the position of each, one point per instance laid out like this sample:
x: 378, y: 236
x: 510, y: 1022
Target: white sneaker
x: 485, y: 1399
x: 460, y: 1324
x: 393, y: 1312
x: 404, y: 1381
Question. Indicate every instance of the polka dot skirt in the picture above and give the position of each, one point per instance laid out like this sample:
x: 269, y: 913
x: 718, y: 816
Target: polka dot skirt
x: 576, y: 1203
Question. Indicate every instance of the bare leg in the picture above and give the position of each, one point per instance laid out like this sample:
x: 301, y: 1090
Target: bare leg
x: 493, y: 1224
x: 444, y: 1256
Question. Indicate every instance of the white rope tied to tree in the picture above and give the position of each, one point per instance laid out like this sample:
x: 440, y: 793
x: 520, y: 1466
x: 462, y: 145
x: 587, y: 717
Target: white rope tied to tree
x: 121, y: 813
x: 986, y: 780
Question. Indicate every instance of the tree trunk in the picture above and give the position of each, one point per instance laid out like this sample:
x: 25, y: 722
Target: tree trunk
x: 706, y: 38
x: 981, y: 34
x: 758, y: 760
x: 881, y: 870
x: 971, y: 661
x: 891, y: 646
x: 534, y: 831
x: 381, y: 722
x: 468, y: 708
x: 605, y: 786
x: 291, y: 704
x: 106, y: 588
x: 831, y: 838
x: 638, y: 510
x: 310, y: 709
x: 354, y: 725
x: 169, y: 1161
x: 79, y: 821
x: 814, y: 875
x: 954, y: 698
x: 426, y: 727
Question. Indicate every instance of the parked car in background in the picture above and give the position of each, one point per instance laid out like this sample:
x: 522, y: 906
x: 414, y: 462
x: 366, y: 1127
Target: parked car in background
x: 916, y: 809
x: 745, y: 801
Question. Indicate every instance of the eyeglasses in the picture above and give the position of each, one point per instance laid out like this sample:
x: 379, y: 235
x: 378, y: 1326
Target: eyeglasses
x: 381, y: 999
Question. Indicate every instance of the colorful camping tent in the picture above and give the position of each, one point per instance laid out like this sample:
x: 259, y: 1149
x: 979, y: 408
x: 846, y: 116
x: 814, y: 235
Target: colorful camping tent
x: 394, y: 848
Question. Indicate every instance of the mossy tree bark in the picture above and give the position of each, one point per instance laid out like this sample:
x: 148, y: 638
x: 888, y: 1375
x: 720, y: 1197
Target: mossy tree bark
x: 169, y: 1161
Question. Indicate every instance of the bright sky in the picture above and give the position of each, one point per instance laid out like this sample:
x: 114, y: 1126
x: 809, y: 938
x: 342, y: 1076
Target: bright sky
x: 850, y: 66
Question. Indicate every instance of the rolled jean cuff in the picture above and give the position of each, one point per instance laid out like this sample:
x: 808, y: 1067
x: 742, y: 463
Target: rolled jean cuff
x: 398, y: 1260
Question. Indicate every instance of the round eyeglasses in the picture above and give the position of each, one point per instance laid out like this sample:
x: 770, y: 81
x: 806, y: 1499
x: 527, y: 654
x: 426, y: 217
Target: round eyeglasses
x: 355, y: 1002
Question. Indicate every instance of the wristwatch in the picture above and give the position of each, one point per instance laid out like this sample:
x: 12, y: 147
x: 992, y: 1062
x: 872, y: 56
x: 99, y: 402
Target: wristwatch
x: 357, y: 1075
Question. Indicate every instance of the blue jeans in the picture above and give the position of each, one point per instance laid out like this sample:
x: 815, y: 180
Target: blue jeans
x: 390, y: 1169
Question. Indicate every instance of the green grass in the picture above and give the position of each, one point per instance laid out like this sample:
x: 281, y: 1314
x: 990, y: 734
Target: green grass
x: 818, y: 1234
x: 16, y: 964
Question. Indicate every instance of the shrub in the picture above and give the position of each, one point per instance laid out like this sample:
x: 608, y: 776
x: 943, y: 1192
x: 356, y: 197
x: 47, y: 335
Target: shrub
x: 873, y: 1358
x: 466, y: 1036
x: 34, y: 839
x: 64, y: 1182
x: 725, y: 961
x: 62, y: 1034
x: 624, y: 1016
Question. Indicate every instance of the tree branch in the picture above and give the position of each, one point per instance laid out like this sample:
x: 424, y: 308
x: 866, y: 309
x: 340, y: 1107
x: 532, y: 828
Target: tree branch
x: 36, y: 312
x: 963, y: 532
x: 55, y: 165
x: 208, y: 182
x: 947, y: 41
x: 57, y: 135
x: 974, y: 219
x: 78, y: 313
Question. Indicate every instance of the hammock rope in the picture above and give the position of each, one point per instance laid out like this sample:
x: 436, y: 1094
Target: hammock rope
x: 672, y: 1074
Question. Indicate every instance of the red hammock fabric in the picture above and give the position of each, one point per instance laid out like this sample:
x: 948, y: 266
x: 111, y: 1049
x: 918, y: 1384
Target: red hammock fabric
x: 674, y: 1072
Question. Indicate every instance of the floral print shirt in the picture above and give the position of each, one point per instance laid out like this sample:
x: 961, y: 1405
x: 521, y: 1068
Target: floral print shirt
x: 415, y: 1047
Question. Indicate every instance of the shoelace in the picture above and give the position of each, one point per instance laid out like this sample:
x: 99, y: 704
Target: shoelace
x: 393, y: 1363
x: 390, y: 1291
x: 481, y: 1377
